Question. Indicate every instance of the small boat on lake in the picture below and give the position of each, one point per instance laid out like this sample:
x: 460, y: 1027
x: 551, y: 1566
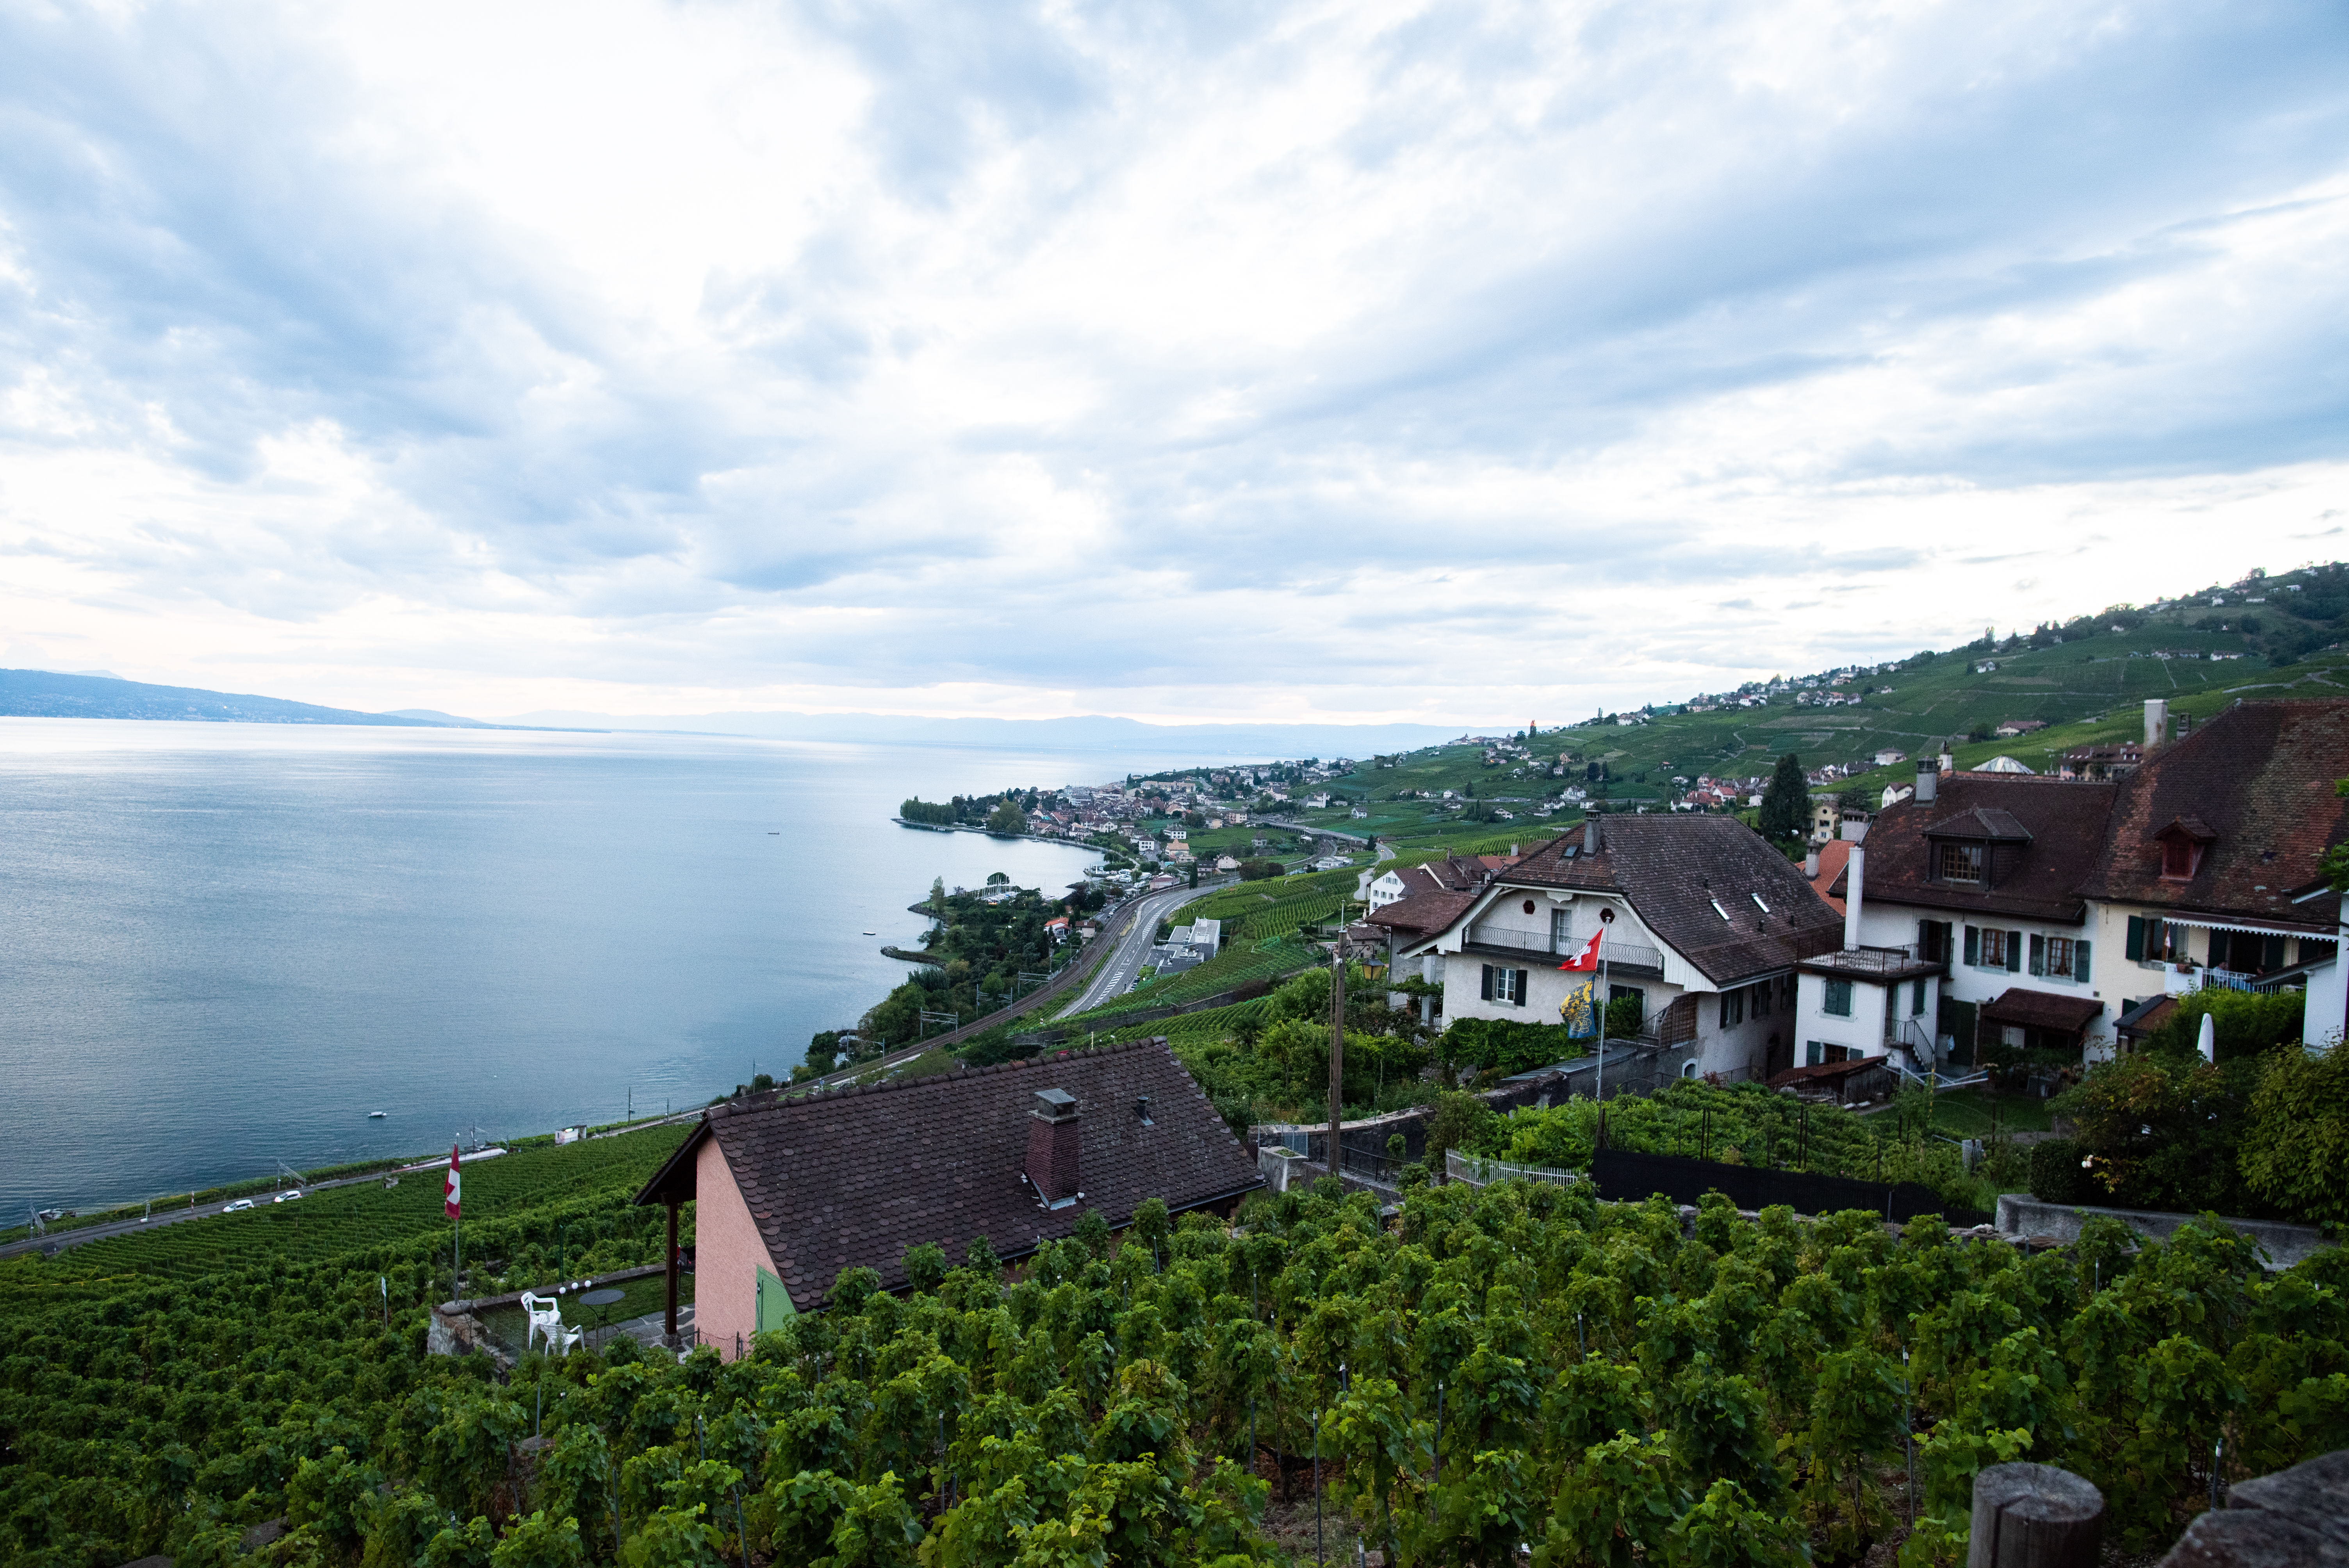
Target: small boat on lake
x: 372, y: 1115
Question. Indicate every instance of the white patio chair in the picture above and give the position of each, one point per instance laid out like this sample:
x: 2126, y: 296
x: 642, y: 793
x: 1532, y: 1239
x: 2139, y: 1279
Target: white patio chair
x: 546, y: 1314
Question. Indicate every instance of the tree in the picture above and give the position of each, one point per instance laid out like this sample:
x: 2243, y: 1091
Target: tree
x: 1786, y: 803
x: 1007, y: 818
x: 2294, y: 1149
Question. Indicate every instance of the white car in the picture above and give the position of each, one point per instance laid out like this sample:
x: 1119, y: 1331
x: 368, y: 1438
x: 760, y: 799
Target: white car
x: 238, y: 1207
x: 286, y: 1197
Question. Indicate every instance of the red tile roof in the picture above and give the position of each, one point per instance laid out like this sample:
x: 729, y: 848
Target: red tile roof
x: 855, y: 1176
x: 2258, y: 780
x: 1834, y: 855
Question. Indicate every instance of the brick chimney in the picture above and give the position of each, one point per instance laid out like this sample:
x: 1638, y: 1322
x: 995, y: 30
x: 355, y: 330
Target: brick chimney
x: 1053, y: 1132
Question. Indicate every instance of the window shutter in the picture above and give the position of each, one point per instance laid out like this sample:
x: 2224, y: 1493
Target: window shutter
x: 2014, y: 952
x: 1487, y: 992
x: 2080, y: 961
x: 2271, y: 952
x: 2136, y: 938
x: 1973, y: 945
x: 2038, y: 954
x: 1521, y: 989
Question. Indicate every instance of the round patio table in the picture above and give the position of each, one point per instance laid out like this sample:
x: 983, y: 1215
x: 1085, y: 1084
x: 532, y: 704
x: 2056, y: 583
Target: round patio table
x: 602, y: 1301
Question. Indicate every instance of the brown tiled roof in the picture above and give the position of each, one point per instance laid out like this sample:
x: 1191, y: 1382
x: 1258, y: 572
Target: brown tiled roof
x: 1672, y: 869
x: 1416, y: 913
x: 855, y: 1176
x: 2258, y: 778
x: 2042, y: 1010
x: 2040, y: 879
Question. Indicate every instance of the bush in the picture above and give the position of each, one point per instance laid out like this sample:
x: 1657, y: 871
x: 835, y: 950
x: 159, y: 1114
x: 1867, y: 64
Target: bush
x: 1256, y: 871
x: 2056, y: 1176
x: 1503, y: 1045
x: 2243, y: 1025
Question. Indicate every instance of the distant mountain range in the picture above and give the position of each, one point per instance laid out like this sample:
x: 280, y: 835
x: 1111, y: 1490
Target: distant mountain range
x: 51, y: 693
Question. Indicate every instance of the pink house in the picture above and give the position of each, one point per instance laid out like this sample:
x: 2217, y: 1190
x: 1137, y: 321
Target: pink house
x: 789, y: 1192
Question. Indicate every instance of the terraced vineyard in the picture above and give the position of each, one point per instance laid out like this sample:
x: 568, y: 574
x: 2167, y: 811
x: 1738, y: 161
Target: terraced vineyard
x: 335, y: 1220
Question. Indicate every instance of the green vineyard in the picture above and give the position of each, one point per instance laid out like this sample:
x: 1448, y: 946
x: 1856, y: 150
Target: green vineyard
x: 1497, y: 1376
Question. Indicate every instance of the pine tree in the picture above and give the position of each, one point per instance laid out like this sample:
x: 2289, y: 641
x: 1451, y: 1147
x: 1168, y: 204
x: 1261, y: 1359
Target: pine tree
x: 1787, y: 804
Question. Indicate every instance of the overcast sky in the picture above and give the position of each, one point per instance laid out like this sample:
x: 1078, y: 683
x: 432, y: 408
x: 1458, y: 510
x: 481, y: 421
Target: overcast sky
x: 1207, y: 360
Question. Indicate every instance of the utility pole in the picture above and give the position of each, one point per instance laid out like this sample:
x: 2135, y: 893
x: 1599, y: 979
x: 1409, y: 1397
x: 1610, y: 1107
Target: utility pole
x: 1337, y: 1046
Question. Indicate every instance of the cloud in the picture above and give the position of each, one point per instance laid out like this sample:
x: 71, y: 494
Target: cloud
x: 1175, y: 361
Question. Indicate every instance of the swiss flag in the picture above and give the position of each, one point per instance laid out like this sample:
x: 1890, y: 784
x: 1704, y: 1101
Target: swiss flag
x: 449, y: 1188
x: 1588, y: 957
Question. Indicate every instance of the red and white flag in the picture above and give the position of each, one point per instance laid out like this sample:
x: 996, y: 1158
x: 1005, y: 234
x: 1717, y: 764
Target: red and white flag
x: 449, y: 1189
x: 1588, y: 957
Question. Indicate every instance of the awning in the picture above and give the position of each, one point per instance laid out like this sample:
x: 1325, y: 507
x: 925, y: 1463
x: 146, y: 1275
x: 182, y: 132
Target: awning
x: 2253, y: 926
x: 2043, y: 1010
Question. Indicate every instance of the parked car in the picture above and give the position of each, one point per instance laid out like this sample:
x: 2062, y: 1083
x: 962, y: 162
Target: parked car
x: 241, y: 1204
x: 284, y: 1197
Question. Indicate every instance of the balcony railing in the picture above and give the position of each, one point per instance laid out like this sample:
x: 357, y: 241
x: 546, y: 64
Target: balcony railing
x: 1616, y: 954
x: 1870, y: 960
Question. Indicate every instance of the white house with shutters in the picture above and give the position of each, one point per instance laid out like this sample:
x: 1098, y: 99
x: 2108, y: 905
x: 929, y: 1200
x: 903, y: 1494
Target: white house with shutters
x: 1704, y: 925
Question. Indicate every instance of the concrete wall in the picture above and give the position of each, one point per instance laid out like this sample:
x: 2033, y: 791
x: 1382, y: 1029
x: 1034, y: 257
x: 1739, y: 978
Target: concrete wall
x: 728, y: 1254
x: 2020, y: 1217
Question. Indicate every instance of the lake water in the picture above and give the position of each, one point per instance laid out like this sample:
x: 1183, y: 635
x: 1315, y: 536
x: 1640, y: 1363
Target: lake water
x: 221, y: 946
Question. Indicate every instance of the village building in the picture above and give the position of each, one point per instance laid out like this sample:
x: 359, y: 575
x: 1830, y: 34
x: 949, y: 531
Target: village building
x: 789, y: 1192
x: 1703, y: 922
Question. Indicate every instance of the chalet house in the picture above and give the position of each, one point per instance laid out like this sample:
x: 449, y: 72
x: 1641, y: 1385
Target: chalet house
x: 2059, y: 907
x: 1970, y: 888
x: 1704, y: 924
x: 790, y: 1191
x: 2209, y: 873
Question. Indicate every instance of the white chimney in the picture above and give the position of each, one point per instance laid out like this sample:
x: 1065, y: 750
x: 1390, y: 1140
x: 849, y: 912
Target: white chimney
x: 1949, y: 764
x: 1811, y: 863
x: 1928, y: 781
x: 2156, y: 721
x: 1590, y: 835
x: 1851, y: 873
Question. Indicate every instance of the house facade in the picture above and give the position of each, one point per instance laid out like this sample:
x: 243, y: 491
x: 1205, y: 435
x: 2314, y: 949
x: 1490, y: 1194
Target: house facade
x: 1702, y: 923
x: 1980, y: 873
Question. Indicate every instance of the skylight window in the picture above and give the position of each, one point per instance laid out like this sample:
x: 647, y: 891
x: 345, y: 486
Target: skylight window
x: 1758, y: 903
x: 1717, y: 909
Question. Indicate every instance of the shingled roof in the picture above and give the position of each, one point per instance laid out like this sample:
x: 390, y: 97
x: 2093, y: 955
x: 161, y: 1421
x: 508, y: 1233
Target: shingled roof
x: 1673, y: 869
x: 2048, y: 833
x: 855, y: 1176
x: 2257, y: 780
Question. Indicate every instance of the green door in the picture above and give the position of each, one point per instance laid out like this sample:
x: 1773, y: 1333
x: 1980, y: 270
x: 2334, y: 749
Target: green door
x: 774, y: 1303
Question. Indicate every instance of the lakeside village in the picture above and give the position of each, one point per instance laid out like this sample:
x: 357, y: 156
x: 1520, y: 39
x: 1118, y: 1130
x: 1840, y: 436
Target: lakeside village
x: 1961, y: 1168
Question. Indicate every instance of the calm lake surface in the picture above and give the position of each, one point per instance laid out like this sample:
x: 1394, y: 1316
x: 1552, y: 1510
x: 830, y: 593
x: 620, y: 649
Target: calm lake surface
x: 221, y: 946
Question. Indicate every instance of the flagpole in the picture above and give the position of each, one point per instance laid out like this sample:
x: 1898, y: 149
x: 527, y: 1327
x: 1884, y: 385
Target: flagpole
x: 1599, y: 1005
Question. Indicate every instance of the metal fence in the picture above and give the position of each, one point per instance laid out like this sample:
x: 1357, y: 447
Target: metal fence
x: 1475, y: 1170
x: 1624, y: 1177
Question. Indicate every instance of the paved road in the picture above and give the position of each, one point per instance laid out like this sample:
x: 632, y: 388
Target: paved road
x: 82, y: 1235
x: 1117, y: 974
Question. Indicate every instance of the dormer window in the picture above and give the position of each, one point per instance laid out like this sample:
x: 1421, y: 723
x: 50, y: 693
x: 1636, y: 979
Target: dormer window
x: 1960, y: 863
x: 2182, y: 843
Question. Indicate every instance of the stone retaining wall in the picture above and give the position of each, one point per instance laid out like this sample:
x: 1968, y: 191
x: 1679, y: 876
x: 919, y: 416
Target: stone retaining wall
x: 2020, y: 1218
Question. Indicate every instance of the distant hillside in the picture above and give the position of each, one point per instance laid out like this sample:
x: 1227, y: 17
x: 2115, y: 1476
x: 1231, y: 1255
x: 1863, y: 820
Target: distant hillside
x: 44, y: 694
x: 2082, y: 682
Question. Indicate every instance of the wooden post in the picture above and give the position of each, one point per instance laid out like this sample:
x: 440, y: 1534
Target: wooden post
x: 668, y: 1323
x: 1337, y: 1047
x: 2034, y: 1516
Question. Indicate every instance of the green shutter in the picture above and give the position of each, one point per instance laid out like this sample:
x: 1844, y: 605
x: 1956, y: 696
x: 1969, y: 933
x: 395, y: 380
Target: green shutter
x: 1973, y: 945
x: 2038, y: 954
x: 2271, y: 952
x: 774, y: 1306
x: 2080, y: 961
x: 1521, y: 989
x: 1487, y: 992
x: 2014, y: 952
x: 2136, y: 949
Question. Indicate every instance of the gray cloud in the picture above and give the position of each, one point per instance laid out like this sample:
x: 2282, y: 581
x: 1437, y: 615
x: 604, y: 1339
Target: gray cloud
x: 1209, y: 340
